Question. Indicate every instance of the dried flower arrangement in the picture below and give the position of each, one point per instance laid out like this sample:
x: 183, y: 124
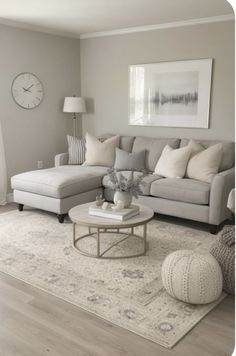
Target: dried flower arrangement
x: 131, y: 184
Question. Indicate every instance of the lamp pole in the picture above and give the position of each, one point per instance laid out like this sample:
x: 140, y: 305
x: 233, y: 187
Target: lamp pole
x: 74, y: 124
x: 73, y: 104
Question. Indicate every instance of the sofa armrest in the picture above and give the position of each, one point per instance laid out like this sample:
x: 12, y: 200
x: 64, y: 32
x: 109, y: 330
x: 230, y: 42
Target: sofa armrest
x: 221, y: 186
x: 61, y: 159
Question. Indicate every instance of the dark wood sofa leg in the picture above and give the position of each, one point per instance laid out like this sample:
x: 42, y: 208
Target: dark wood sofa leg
x: 213, y: 229
x: 233, y: 218
x: 20, y: 207
x: 61, y: 218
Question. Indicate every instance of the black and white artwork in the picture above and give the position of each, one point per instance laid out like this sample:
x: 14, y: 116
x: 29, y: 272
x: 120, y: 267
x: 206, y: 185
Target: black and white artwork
x: 173, y: 94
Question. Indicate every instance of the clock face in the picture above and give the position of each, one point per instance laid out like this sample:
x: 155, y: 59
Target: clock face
x: 27, y: 90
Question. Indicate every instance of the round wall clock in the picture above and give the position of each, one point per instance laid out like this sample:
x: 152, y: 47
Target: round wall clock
x: 27, y: 90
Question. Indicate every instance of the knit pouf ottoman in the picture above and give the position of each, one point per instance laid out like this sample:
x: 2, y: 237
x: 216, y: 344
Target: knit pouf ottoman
x: 192, y: 277
x: 224, y: 252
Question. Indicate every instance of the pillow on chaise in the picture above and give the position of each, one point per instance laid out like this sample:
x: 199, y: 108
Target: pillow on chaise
x: 173, y: 162
x: 132, y: 161
x: 76, y: 149
x: 204, y: 164
x: 100, y: 153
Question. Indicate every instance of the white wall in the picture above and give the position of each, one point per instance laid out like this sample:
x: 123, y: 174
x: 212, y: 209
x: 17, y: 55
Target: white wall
x: 38, y: 134
x: 104, y: 76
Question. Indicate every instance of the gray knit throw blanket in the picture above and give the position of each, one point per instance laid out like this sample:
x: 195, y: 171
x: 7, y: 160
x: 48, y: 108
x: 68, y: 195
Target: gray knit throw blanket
x: 227, y: 236
x: 224, y: 252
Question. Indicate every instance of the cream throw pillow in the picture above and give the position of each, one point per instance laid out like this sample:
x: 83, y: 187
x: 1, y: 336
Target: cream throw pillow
x: 100, y: 153
x: 204, y: 163
x: 173, y: 163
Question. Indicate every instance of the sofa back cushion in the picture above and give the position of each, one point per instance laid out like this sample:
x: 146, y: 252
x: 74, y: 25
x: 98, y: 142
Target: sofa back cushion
x: 154, y: 148
x: 227, y: 161
x: 126, y: 142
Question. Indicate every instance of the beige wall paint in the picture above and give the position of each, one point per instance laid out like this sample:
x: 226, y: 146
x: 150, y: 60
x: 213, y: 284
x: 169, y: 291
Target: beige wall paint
x: 38, y: 134
x: 104, y: 76
x: 33, y: 135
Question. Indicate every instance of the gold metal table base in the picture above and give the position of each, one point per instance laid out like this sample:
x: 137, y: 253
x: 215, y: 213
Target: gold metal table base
x: 100, y: 231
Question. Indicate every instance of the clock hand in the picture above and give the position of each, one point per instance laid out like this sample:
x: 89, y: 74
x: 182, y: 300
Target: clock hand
x: 30, y: 87
x: 27, y: 89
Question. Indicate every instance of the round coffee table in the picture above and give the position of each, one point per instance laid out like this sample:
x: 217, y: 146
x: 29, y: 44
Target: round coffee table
x: 80, y: 216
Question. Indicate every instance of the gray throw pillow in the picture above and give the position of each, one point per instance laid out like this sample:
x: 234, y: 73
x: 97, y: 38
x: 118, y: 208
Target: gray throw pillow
x: 134, y: 161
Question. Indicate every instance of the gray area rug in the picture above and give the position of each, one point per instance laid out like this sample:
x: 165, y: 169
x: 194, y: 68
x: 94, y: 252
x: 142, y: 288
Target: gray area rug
x: 35, y: 248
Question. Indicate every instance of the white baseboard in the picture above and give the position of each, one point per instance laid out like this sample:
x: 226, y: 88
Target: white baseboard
x: 10, y: 197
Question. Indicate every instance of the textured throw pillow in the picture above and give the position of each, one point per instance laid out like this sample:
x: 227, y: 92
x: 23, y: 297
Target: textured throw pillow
x: 205, y: 164
x: 76, y: 149
x: 134, y: 161
x: 100, y: 153
x: 173, y: 162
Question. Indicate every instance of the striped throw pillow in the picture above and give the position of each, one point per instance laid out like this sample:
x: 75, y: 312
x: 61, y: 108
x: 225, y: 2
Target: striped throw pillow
x: 76, y: 149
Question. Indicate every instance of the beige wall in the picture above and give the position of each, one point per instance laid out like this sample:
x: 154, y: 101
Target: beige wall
x: 33, y: 135
x: 38, y: 134
x: 104, y: 76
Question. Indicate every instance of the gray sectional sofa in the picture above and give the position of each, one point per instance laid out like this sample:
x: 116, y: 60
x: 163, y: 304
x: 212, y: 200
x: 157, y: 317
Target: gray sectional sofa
x: 60, y: 188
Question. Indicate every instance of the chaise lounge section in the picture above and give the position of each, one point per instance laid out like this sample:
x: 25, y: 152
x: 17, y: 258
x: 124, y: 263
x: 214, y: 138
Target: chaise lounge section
x: 58, y: 189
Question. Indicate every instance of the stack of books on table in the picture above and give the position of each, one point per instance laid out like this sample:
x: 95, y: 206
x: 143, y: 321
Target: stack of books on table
x: 121, y: 215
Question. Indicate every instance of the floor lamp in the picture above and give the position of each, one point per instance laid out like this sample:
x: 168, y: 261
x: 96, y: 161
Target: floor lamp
x: 74, y: 104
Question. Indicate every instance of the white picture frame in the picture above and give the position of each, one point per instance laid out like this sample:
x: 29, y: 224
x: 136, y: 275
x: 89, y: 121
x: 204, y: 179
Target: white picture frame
x: 170, y: 94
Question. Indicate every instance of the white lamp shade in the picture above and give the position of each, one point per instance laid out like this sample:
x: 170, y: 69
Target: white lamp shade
x: 74, y: 104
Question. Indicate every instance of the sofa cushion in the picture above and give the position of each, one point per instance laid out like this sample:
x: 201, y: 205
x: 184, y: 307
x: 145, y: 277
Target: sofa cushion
x: 76, y: 150
x: 173, y: 163
x: 129, y: 161
x: 100, y: 153
x: 60, y: 182
x: 126, y: 143
x: 145, y: 188
x: 184, y: 190
x: 227, y: 161
x: 104, y: 137
x: 204, y: 164
x: 154, y: 148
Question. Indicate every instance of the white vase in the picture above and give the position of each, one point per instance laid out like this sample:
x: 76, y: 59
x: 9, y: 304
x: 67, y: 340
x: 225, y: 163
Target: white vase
x: 125, y: 197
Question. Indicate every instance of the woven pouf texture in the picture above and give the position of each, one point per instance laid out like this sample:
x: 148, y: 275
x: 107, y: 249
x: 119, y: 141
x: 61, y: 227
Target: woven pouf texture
x: 192, y: 277
x: 224, y: 252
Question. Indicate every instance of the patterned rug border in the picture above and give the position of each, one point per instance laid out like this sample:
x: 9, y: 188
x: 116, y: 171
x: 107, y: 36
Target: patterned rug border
x: 222, y: 297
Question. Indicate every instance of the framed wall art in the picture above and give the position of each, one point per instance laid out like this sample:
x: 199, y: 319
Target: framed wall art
x: 171, y: 94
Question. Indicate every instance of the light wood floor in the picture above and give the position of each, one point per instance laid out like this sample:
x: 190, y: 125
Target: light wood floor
x: 35, y: 323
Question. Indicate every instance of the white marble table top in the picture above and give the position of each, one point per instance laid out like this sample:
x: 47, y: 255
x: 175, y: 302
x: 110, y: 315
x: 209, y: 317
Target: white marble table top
x: 80, y: 215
